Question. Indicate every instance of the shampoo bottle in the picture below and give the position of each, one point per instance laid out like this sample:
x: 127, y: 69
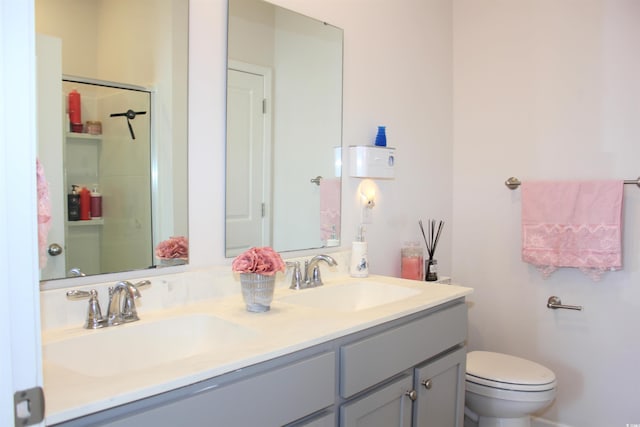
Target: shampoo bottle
x: 85, y: 204
x: 73, y: 204
x: 359, y: 266
x: 96, y: 203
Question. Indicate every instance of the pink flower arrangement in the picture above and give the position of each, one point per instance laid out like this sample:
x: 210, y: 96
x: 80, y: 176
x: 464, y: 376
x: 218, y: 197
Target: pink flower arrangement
x: 173, y: 247
x: 262, y: 260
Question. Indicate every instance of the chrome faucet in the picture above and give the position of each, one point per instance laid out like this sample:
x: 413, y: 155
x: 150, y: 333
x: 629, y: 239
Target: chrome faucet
x: 312, y: 270
x: 120, y: 310
x: 123, y: 310
x: 311, y: 276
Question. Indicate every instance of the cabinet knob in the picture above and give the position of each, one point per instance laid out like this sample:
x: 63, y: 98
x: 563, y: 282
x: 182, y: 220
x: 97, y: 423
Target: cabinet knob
x: 412, y: 394
x: 427, y: 384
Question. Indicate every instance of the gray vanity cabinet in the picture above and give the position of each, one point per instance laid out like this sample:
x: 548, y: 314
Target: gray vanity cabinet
x: 440, y: 391
x: 404, y: 372
x: 429, y: 352
x: 432, y: 397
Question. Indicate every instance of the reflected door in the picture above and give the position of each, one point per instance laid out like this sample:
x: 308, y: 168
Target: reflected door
x: 50, y: 107
x: 247, y: 210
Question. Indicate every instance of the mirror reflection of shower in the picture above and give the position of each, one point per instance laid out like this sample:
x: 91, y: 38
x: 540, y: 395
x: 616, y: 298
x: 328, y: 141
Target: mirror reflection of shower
x: 103, y: 158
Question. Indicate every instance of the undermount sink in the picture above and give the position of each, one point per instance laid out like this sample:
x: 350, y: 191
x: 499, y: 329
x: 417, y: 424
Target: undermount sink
x: 144, y: 344
x: 353, y: 296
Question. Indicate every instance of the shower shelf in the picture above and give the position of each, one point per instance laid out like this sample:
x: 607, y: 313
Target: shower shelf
x: 86, y: 223
x: 76, y: 135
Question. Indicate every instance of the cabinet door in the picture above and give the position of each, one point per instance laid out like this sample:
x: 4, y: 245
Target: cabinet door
x: 440, y: 387
x: 388, y: 406
x: 325, y: 420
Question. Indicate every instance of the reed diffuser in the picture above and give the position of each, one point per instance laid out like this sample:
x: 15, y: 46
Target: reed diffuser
x: 431, y: 238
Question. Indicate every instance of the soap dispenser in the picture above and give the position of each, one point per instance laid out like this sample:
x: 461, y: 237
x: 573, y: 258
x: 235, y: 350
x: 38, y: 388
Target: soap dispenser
x: 359, y: 266
x: 73, y: 204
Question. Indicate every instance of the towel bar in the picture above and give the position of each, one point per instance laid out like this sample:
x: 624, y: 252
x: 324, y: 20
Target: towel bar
x: 512, y: 182
x: 554, y: 302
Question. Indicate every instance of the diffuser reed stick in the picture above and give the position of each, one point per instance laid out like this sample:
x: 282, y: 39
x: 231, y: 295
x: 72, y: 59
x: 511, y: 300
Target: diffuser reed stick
x: 433, y: 236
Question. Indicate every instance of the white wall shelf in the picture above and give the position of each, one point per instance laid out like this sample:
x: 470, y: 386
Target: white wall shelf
x: 87, y: 136
x: 85, y: 223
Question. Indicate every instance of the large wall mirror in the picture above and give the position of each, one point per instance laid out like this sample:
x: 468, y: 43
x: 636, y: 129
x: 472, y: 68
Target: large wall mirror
x: 284, y: 129
x: 126, y: 60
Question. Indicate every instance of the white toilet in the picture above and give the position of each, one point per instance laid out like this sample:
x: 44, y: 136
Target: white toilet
x: 504, y: 390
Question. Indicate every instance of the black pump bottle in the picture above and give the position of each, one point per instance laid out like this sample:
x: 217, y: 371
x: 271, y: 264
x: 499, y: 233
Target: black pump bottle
x: 73, y: 204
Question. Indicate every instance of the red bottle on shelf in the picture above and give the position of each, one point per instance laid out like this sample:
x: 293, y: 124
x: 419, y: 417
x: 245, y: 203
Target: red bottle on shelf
x: 96, y: 203
x: 75, y: 113
x: 85, y: 204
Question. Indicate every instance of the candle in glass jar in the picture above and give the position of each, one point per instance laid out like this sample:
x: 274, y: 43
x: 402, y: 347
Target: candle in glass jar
x: 412, y: 265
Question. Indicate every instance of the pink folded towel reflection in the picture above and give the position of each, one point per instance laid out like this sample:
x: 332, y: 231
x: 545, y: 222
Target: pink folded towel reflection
x: 44, y: 213
x: 572, y: 224
x: 329, y: 208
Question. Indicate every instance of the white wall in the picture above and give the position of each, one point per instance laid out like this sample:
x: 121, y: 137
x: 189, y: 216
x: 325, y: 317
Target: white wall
x: 548, y: 90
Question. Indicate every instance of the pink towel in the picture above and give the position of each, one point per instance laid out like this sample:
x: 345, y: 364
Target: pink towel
x: 329, y: 208
x: 572, y: 224
x: 44, y: 213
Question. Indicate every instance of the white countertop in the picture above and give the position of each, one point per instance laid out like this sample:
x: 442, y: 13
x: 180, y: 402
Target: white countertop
x: 284, y: 329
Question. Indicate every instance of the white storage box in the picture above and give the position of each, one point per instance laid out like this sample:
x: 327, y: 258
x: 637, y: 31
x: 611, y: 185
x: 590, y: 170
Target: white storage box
x: 366, y: 161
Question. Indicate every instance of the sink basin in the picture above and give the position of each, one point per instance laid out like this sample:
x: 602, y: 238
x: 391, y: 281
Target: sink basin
x: 353, y: 296
x: 142, y: 345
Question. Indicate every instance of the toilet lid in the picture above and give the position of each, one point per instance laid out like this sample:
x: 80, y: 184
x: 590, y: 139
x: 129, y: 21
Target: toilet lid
x: 511, y: 372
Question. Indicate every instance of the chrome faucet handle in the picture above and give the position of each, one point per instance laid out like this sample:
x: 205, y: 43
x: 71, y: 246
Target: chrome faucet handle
x: 129, y: 312
x: 94, y: 314
x: 296, y: 277
x: 142, y: 284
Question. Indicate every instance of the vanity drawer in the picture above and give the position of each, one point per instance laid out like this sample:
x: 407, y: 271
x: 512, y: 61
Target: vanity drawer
x: 273, y: 398
x: 381, y: 356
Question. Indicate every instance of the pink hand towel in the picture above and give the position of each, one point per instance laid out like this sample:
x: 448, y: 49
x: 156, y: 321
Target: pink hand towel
x: 329, y: 208
x: 572, y: 224
x: 44, y: 213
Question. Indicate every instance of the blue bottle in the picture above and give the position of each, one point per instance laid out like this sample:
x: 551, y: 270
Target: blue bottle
x: 381, y: 137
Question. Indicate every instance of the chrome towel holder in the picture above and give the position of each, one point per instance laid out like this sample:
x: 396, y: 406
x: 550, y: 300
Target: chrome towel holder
x: 512, y: 182
x: 555, y: 303
x: 316, y: 180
